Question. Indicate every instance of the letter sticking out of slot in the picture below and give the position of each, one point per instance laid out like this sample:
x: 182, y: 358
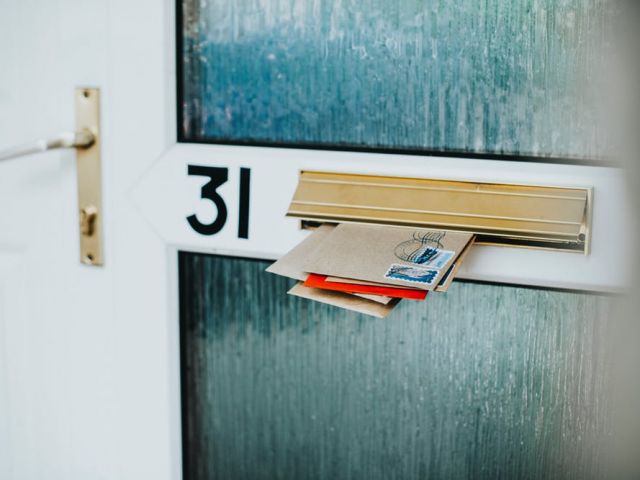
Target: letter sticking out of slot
x: 529, y: 216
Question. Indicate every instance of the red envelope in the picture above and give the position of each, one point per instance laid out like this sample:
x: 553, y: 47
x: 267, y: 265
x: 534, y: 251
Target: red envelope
x: 320, y: 281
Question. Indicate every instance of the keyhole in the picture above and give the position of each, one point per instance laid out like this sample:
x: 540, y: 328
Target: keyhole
x: 88, y: 217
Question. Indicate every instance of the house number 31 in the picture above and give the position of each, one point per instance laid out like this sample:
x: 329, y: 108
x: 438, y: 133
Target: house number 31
x: 218, y: 176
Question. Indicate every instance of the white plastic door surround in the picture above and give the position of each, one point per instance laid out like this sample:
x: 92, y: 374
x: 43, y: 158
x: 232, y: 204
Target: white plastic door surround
x: 204, y: 183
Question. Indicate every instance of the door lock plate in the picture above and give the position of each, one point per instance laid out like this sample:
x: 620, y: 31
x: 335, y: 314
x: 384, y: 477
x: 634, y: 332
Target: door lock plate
x: 89, y: 172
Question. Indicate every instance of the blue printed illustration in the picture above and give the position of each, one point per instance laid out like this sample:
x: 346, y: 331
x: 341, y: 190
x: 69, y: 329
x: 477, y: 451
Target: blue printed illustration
x: 425, y: 255
x: 407, y: 273
x: 411, y: 250
x: 424, y: 248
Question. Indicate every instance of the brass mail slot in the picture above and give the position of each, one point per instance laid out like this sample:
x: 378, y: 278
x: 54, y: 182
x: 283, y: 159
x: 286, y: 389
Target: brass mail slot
x: 499, y: 214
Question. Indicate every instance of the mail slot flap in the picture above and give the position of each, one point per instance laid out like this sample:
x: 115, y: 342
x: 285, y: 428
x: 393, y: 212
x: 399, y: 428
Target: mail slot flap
x: 503, y: 214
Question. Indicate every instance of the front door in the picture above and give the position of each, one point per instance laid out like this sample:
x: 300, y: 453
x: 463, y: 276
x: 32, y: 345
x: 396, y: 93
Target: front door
x: 181, y: 357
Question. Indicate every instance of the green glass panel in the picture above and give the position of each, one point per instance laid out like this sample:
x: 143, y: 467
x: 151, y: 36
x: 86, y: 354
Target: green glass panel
x: 483, y: 382
x: 495, y: 76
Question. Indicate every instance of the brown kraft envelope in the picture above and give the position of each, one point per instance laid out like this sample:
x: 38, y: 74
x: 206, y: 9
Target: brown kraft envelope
x: 390, y: 255
x: 446, y: 281
x: 344, y: 300
x: 290, y: 265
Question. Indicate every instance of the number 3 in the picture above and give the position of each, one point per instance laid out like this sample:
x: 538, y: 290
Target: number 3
x: 219, y: 176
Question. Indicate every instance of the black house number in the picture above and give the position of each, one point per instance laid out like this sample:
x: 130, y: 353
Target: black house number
x: 218, y: 176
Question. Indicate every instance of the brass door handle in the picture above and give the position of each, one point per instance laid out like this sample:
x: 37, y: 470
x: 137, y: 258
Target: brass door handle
x: 86, y: 141
x: 83, y: 138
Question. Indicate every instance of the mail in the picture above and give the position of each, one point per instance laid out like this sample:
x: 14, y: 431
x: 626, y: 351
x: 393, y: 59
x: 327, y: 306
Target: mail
x: 399, y: 256
x: 369, y: 268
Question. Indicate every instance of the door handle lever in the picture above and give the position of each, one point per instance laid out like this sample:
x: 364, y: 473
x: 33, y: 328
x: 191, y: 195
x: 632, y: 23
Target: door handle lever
x: 86, y: 140
x: 82, y: 138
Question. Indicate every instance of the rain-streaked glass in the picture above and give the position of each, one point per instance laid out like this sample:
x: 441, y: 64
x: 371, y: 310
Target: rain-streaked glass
x: 482, y: 382
x: 492, y: 76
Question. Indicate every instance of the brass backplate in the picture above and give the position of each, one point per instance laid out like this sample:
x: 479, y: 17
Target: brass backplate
x: 89, y: 172
x: 532, y: 216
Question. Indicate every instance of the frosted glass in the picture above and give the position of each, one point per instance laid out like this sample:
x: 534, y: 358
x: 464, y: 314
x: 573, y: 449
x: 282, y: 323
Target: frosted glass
x: 483, y: 382
x: 490, y: 76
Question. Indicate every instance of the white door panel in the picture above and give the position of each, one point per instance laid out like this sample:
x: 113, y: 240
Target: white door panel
x: 69, y: 387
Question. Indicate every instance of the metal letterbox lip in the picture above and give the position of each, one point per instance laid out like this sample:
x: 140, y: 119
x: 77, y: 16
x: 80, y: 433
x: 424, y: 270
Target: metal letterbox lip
x: 513, y: 215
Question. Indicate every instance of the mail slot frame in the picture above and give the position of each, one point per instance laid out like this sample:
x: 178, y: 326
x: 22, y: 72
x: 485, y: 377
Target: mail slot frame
x: 355, y: 198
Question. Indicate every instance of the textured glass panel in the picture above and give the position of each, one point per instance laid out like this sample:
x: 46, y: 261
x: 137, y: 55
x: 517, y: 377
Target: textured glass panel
x: 484, y: 382
x: 466, y: 75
